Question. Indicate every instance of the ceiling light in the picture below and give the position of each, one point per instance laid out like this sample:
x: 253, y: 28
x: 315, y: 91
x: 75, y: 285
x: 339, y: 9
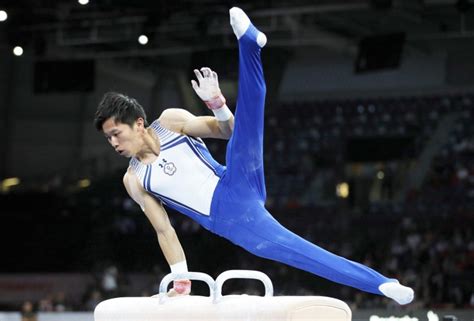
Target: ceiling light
x: 3, y: 15
x: 18, y: 51
x: 143, y: 40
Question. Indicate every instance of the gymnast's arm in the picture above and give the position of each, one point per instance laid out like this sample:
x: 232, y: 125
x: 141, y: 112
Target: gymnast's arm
x: 167, y: 238
x: 219, y: 126
x: 183, y: 122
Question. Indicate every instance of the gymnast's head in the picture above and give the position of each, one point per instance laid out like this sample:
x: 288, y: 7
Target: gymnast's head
x: 123, y: 121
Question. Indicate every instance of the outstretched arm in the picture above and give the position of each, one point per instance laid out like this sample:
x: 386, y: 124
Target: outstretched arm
x: 219, y: 126
x: 182, y: 121
x: 167, y: 238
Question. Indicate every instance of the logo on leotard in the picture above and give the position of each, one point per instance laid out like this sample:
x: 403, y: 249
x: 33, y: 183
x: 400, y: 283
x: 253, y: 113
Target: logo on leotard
x: 169, y: 169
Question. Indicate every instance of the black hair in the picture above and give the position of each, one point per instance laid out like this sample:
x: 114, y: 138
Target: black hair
x: 122, y: 108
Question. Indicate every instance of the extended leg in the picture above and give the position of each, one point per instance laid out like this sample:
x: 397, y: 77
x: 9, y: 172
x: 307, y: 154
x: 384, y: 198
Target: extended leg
x: 265, y: 237
x: 238, y: 205
x: 244, y: 158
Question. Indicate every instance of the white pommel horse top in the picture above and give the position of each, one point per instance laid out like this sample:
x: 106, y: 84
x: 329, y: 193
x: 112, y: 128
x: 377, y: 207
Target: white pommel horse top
x: 217, y: 307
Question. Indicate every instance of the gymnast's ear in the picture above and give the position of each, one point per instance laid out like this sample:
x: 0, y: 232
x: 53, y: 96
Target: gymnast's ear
x: 140, y: 123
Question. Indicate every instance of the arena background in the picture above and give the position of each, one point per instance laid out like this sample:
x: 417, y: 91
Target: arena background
x: 369, y: 146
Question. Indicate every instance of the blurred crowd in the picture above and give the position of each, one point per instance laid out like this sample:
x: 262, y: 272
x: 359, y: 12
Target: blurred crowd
x: 423, y: 238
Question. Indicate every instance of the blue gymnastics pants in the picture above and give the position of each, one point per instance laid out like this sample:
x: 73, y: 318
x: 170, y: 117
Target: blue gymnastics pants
x: 238, y: 212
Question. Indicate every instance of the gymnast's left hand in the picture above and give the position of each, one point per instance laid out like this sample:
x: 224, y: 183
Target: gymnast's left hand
x: 208, y: 87
x: 180, y: 287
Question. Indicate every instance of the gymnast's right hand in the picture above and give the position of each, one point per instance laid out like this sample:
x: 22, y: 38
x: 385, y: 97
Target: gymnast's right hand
x: 180, y: 287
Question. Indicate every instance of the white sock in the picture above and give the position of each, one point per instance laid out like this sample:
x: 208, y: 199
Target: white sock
x: 261, y: 39
x: 400, y: 293
x: 240, y: 22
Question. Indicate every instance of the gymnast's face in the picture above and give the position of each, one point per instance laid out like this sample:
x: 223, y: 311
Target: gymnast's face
x: 124, y: 139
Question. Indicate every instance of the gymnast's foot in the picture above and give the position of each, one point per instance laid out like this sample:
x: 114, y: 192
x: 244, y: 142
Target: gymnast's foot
x: 240, y: 23
x: 400, y: 293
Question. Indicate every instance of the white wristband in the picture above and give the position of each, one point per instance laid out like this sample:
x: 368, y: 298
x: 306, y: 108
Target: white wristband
x: 179, y: 267
x: 223, y: 113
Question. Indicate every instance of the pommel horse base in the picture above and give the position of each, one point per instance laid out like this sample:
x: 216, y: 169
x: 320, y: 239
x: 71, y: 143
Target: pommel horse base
x: 217, y: 307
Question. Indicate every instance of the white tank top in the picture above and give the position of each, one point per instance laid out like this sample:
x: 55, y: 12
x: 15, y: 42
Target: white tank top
x: 183, y: 176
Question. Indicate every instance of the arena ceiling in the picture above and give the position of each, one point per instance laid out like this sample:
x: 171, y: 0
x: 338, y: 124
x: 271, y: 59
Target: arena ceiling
x: 110, y: 28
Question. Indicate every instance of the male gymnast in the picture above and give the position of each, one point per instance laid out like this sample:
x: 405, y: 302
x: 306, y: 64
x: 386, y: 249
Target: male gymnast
x: 171, y: 165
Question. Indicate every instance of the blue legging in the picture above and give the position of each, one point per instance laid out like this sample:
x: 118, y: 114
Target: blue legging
x: 238, y: 212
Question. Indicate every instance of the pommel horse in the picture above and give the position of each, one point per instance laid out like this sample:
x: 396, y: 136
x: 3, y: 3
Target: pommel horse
x: 218, y: 307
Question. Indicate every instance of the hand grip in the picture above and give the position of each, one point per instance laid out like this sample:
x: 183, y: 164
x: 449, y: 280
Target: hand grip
x: 198, y: 276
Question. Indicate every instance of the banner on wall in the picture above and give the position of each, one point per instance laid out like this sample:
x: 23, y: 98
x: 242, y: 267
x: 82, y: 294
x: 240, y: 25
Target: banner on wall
x: 16, y: 288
